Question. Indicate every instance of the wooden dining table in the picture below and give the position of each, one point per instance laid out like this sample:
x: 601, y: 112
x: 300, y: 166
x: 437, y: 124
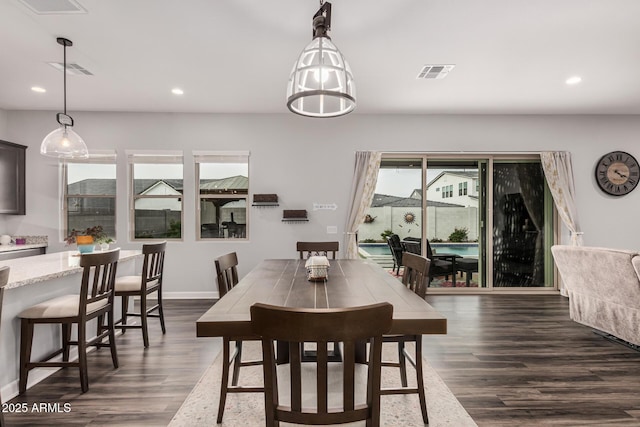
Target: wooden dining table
x: 350, y: 283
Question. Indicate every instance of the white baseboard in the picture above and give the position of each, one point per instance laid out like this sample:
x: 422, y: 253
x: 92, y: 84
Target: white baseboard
x: 190, y: 295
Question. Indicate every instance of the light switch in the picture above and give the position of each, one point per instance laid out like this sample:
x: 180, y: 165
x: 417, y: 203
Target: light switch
x: 332, y: 229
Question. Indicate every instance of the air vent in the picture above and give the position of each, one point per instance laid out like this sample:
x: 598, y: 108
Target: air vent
x: 435, y: 71
x: 54, y: 7
x: 73, y: 69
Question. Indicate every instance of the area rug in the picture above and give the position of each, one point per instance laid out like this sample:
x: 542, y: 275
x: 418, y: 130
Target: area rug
x: 247, y: 409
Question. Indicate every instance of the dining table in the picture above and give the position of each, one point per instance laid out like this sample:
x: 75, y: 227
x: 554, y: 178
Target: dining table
x: 349, y: 283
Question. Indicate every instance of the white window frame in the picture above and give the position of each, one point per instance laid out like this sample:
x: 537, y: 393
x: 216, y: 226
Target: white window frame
x: 95, y: 157
x: 200, y: 157
x: 154, y: 157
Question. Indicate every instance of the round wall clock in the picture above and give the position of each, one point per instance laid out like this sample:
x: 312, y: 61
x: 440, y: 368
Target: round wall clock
x: 617, y: 173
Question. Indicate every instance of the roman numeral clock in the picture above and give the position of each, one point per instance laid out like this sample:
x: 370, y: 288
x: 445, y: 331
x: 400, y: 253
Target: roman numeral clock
x: 617, y: 173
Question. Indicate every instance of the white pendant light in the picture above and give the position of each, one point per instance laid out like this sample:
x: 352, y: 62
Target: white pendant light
x: 321, y: 82
x: 64, y: 142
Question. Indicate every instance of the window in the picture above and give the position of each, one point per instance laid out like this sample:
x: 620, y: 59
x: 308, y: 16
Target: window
x: 447, y: 191
x: 223, y: 188
x: 89, y: 194
x: 462, y: 188
x: 156, y: 188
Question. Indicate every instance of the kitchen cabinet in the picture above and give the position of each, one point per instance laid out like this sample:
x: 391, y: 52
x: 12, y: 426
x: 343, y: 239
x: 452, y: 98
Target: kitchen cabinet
x: 12, y: 178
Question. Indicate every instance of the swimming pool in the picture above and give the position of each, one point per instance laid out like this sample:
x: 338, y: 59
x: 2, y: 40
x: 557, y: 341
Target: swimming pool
x: 382, y: 249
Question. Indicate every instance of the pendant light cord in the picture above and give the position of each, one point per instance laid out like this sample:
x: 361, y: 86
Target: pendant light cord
x: 64, y: 73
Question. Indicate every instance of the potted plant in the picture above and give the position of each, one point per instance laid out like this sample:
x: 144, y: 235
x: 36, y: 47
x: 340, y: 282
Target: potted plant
x: 104, y: 242
x: 86, y: 239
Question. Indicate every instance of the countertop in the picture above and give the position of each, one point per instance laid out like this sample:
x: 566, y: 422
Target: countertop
x: 38, y: 268
x: 14, y: 247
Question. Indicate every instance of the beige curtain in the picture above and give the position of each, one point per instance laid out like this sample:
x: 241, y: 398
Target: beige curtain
x: 559, y: 173
x: 365, y: 176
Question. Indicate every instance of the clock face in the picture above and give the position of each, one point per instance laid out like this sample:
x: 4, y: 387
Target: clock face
x: 617, y: 173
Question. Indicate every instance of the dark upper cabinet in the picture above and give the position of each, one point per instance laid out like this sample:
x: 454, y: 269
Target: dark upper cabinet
x: 12, y: 178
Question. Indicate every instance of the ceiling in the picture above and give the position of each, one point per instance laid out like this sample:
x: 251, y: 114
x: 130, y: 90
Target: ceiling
x: 235, y: 56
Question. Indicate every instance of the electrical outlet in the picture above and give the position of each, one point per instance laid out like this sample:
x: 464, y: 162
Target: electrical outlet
x: 332, y: 229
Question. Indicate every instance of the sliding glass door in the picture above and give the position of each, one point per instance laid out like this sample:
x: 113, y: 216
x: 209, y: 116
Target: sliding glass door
x: 486, y: 222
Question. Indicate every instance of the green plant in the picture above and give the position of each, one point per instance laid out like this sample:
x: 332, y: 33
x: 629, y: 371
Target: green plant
x: 386, y: 233
x: 436, y: 240
x: 367, y: 241
x: 459, y: 235
x: 96, y: 232
x: 104, y: 239
x: 175, y: 229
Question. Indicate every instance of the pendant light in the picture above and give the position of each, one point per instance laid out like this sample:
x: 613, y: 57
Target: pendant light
x: 64, y: 142
x: 321, y: 82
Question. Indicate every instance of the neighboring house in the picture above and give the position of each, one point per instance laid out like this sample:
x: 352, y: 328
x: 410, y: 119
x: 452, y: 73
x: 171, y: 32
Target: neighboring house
x: 459, y: 188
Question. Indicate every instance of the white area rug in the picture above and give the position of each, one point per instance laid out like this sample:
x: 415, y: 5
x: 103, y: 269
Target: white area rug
x: 247, y: 409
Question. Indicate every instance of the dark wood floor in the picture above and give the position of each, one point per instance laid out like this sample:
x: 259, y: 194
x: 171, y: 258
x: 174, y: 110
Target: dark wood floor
x: 520, y: 361
x: 510, y: 360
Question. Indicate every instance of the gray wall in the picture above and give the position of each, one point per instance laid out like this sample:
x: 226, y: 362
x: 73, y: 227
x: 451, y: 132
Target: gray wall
x: 308, y: 161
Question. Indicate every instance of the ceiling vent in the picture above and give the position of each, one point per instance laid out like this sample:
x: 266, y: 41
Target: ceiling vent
x: 435, y: 71
x: 73, y: 69
x: 54, y: 7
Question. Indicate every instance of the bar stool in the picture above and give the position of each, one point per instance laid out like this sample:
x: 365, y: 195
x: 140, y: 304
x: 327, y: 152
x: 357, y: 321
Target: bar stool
x: 95, y: 300
x: 4, y: 279
x: 227, y: 272
x: 149, y: 281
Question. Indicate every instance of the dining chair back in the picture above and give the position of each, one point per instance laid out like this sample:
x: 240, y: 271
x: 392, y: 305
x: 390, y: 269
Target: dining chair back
x: 227, y: 276
x: 94, y: 301
x: 141, y: 286
x: 227, y: 272
x: 297, y: 326
x: 416, y: 278
x: 307, y: 249
x: 4, y: 279
x: 416, y: 273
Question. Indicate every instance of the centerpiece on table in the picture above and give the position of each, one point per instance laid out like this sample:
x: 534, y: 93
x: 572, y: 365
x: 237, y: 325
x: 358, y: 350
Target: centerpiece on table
x: 87, y: 240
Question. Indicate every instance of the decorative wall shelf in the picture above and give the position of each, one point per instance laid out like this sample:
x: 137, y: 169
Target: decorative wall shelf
x: 265, y: 200
x: 293, y: 216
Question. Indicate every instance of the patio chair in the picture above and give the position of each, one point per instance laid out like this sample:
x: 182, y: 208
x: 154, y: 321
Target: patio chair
x: 439, y: 267
x: 395, y: 245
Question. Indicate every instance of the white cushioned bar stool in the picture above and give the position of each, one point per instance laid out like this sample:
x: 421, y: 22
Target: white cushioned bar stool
x: 94, y: 301
x: 4, y: 279
x: 148, y: 282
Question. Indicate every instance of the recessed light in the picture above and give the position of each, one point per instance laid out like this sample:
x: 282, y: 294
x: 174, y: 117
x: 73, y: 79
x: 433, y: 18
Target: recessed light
x: 573, y: 80
x: 38, y: 89
x: 177, y: 91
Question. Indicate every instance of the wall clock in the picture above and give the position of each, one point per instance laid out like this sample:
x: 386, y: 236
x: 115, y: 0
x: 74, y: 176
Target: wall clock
x: 617, y: 173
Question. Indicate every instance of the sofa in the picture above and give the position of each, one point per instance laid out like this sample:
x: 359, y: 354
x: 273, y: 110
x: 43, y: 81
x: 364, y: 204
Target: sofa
x: 603, y: 286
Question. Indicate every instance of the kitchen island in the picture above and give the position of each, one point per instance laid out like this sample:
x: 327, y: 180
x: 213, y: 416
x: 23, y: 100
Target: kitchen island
x: 33, y: 280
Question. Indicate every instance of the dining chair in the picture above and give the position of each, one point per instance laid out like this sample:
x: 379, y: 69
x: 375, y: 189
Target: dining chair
x: 148, y: 282
x: 416, y: 278
x: 227, y: 277
x: 94, y: 300
x: 307, y: 249
x: 4, y: 279
x: 296, y: 326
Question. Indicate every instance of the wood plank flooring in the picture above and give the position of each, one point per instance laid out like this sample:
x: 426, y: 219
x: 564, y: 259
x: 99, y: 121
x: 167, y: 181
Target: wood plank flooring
x: 511, y: 361
x: 520, y: 361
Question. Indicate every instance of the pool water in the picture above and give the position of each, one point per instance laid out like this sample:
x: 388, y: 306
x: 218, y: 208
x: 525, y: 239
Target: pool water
x: 462, y: 249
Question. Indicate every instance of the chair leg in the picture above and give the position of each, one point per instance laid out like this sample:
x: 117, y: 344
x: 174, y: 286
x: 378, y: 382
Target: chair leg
x: 66, y: 337
x: 125, y: 308
x: 161, y: 311
x: 224, y: 383
x: 236, y: 363
x: 99, y: 328
x: 26, y: 341
x: 420, y: 380
x: 82, y: 356
x: 143, y: 320
x: 403, y: 363
x: 112, y: 338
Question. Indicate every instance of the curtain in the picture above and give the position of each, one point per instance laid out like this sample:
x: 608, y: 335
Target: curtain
x: 365, y: 175
x: 559, y: 173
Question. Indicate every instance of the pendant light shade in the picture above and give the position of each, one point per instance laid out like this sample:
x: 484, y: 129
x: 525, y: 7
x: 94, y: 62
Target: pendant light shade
x: 321, y: 82
x: 64, y: 142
